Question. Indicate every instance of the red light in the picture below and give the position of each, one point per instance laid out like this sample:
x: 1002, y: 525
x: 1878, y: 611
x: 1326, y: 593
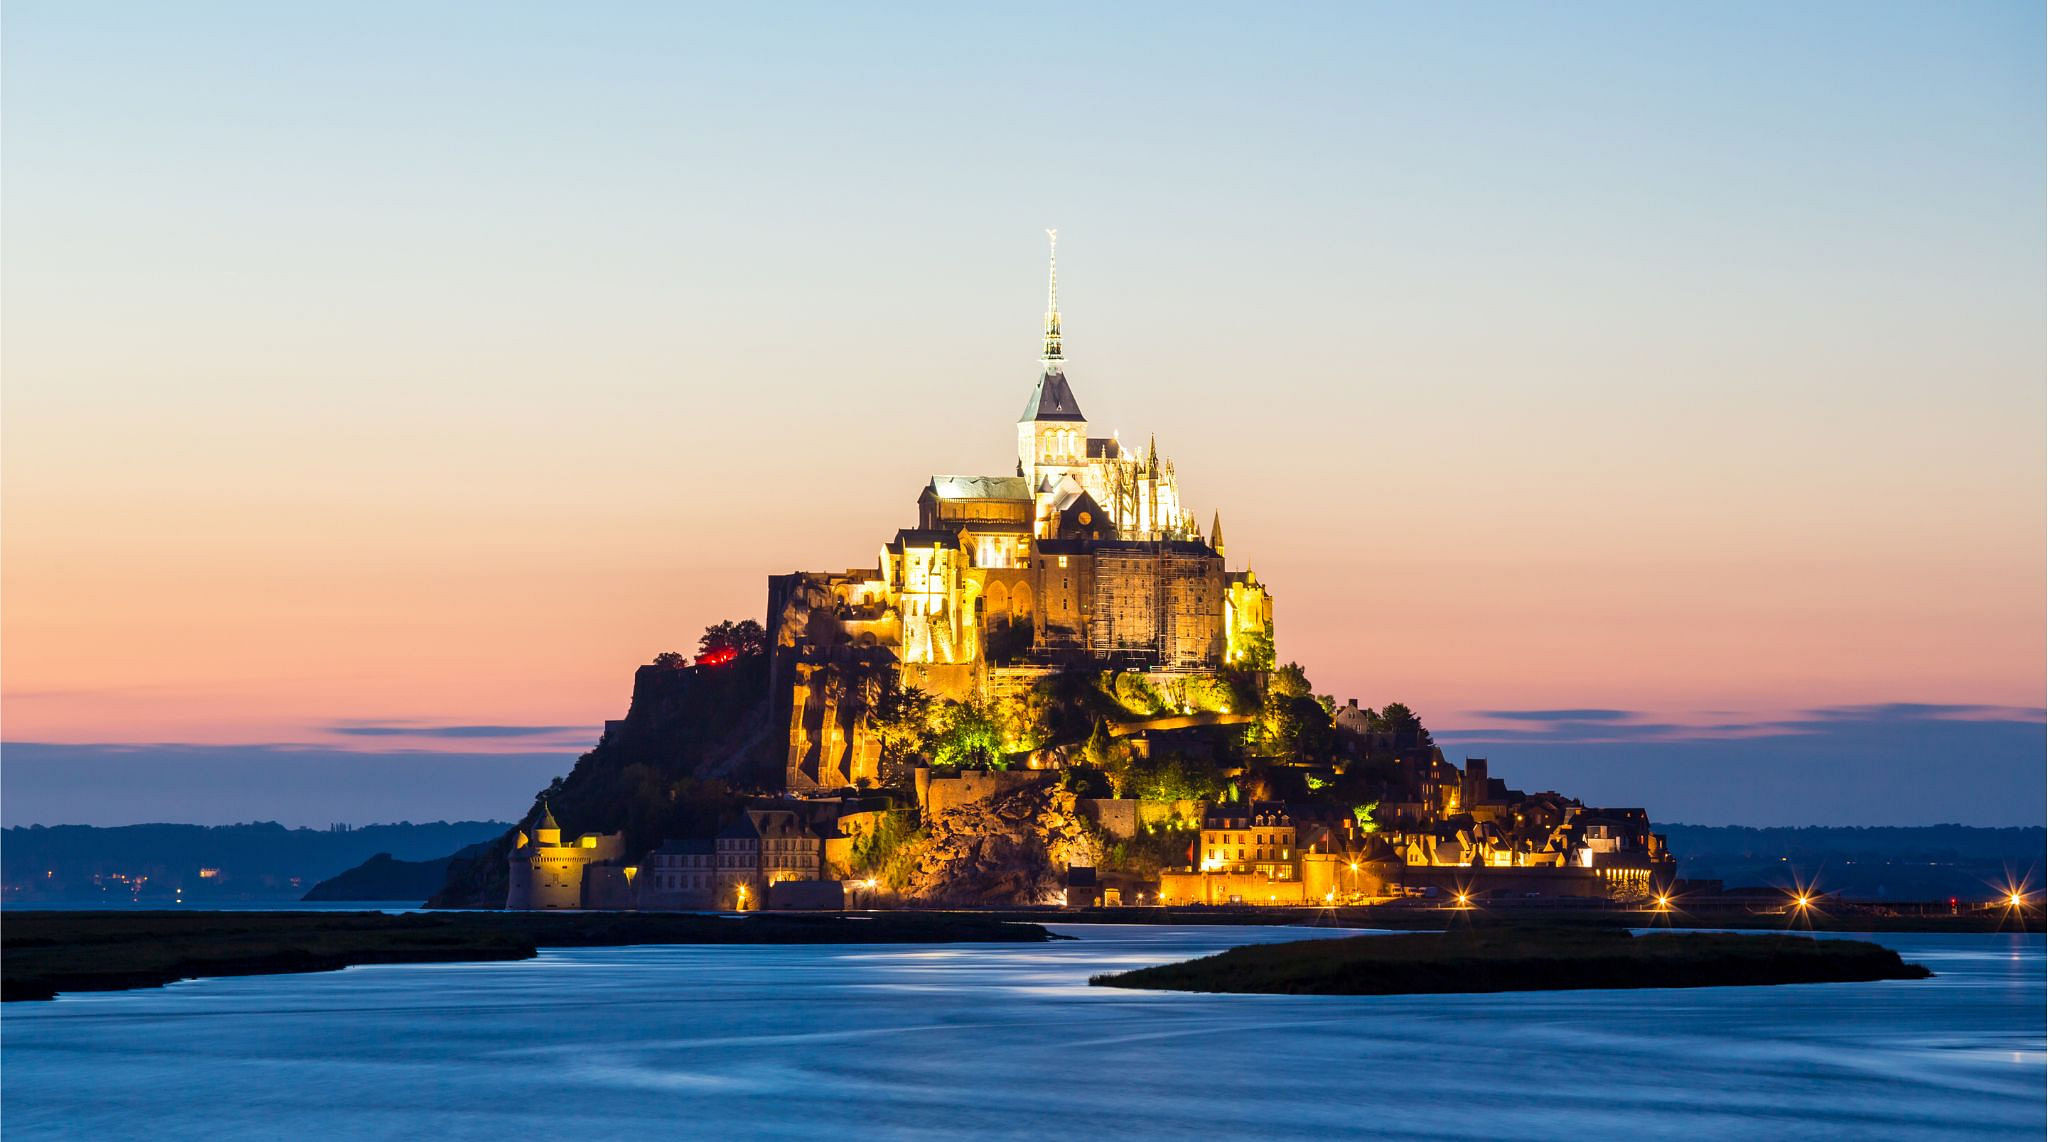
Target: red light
x: 717, y: 656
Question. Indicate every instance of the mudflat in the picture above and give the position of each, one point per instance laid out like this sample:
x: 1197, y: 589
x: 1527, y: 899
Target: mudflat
x: 45, y: 953
x: 1522, y: 958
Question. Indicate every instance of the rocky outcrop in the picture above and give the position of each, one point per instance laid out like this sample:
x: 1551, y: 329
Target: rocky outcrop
x: 693, y: 739
x: 384, y: 878
x: 1012, y: 849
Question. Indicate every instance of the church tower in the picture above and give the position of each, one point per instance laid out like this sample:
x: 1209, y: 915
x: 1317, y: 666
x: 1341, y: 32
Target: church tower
x: 1052, y: 435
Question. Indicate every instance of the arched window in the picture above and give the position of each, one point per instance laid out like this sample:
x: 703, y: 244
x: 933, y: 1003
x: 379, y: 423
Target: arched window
x: 1021, y: 602
x: 997, y: 600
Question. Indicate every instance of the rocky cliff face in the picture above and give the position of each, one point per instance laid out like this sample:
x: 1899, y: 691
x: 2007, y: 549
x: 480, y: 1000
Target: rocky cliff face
x: 1013, y: 849
x: 693, y: 739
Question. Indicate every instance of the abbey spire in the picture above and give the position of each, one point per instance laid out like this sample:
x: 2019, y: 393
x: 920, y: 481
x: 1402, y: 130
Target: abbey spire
x: 1051, y: 398
x: 1051, y: 356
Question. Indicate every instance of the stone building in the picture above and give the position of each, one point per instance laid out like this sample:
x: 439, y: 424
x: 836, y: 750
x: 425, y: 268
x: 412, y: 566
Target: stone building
x: 1247, y: 855
x: 763, y: 847
x: 680, y: 874
x: 544, y: 871
x: 1084, y: 553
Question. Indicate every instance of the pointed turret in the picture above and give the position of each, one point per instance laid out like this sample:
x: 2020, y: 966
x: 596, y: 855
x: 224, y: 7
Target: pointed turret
x: 1051, y: 398
x: 1216, y: 532
x: 549, y: 831
x: 1052, y: 435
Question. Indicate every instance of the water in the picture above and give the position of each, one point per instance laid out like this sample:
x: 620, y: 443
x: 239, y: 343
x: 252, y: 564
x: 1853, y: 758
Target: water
x: 1008, y: 1041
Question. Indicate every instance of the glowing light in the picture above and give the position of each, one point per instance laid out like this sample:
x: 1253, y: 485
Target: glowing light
x: 2015, y: 900
x: 717, y: 656
x: 1802, y: 900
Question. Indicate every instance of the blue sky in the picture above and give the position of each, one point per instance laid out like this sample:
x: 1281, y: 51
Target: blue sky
x: 390, y: 377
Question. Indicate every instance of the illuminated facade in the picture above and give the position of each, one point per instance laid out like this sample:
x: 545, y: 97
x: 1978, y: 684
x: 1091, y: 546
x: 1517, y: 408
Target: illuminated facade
x: 763, y: 847
x: 1085, y: 553
x: 547, y: 872
x: 1248, y: 854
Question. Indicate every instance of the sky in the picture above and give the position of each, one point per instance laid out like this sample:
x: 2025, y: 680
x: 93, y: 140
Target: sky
x: 1651, y: 396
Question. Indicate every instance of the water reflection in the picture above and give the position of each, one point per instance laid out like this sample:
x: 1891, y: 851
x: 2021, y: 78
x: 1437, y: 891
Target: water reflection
x: 1011, y: 1042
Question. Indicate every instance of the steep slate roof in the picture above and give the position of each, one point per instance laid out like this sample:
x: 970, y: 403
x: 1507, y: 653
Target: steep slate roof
x: 742, y: 829
x: 1051, y: 399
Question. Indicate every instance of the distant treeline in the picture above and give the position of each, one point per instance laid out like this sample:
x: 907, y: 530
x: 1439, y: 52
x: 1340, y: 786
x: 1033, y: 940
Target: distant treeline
x: 258, y: 861
x: 1931, y: 862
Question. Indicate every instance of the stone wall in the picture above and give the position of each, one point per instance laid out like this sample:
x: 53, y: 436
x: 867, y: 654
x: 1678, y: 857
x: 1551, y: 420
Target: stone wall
x: 1228, y: 888
x: 1116, y: 816
x: 1160, y: 814
x: 971, y: 786
x: 807, y: 895
x: 1579, y: 882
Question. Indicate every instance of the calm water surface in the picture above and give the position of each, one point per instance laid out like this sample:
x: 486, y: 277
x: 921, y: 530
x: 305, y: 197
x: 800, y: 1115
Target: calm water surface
x: 1009, y: 1041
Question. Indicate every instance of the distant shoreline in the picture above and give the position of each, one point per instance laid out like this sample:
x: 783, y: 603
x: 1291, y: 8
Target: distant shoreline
x: 1434, y: 918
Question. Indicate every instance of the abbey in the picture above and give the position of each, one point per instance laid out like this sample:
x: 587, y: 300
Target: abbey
x: 1084, y: 554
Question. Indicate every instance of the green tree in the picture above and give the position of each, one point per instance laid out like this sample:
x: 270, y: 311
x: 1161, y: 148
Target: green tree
x: 968, y: 737
x: 887, y: 850
x: 1257, y: 652
x: 1293, y: 722
x: 1404, y: 727
x: 742, y: 638
x: 1136, y: 694
x: 1363, y: 814
x: 901, y: 720
x: 1208, y: 693
x: 1112, y: 756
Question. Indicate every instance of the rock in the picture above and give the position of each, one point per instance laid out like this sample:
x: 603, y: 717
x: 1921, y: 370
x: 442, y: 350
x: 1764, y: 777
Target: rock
x: 1013, y: 849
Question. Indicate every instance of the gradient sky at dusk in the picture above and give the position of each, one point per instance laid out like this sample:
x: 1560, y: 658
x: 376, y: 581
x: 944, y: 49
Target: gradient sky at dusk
x: 1650, y: 395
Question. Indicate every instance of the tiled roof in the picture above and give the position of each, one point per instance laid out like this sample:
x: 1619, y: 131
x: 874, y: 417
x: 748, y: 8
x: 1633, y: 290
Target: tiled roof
x: 1052, y: 399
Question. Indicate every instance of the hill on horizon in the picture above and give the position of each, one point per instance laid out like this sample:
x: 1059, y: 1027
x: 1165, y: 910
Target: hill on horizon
x: 256, y: 861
